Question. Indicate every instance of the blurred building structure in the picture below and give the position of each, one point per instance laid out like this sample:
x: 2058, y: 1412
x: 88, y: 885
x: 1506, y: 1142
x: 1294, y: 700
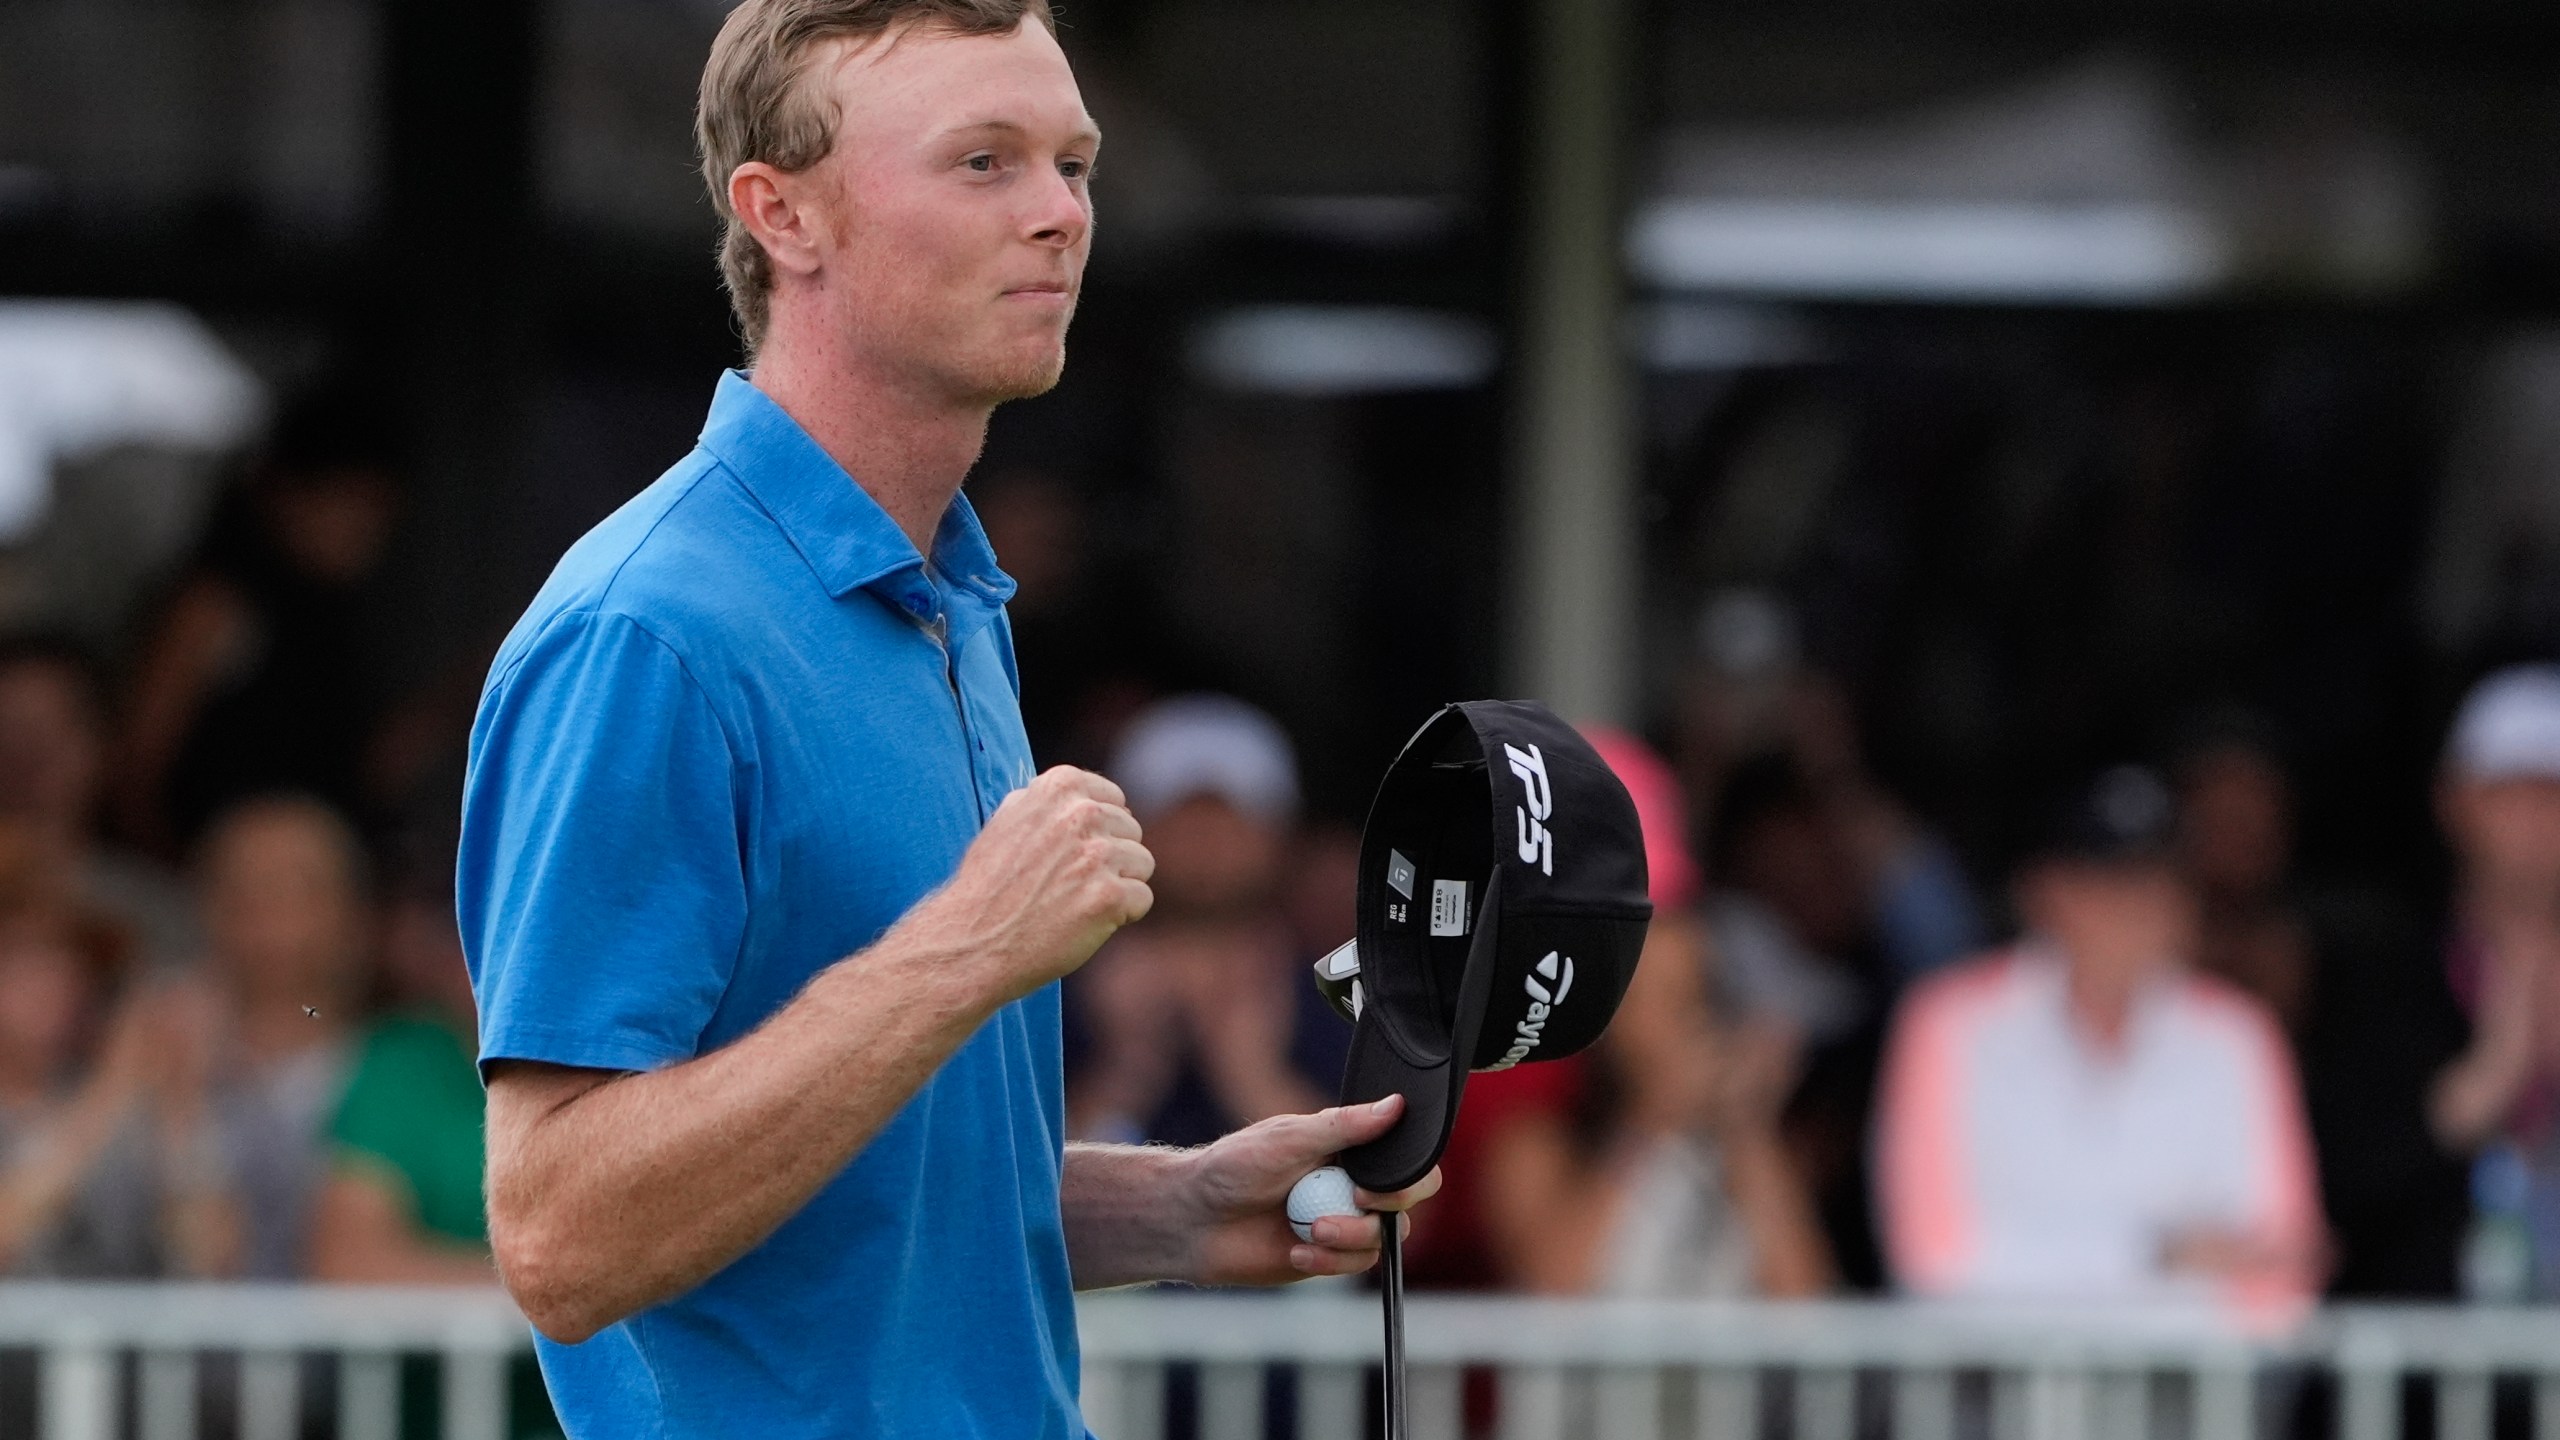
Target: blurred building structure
x: 1343, y: 297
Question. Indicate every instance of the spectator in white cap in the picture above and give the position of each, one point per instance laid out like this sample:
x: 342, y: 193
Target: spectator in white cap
x: 1210, y: 747
x: 2499, y: 802
x: 1194, y: 1023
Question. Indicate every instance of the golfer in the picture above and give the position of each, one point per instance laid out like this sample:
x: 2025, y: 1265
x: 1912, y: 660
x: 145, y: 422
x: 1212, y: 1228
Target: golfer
x: 765, y: 909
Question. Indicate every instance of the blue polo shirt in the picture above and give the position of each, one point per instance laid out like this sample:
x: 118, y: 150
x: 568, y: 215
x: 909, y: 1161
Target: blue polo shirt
x: 742, y: 729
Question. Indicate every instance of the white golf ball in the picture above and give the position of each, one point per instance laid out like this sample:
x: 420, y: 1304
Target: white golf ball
x: 1317, y: 1194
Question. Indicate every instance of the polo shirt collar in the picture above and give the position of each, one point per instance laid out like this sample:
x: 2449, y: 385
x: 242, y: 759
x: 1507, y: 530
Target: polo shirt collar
x: 849, y: 542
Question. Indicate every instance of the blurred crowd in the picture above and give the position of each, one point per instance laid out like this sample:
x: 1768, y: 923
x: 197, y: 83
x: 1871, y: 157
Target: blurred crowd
x: 2154, y: 1062
x: 236, y: 1031
x: 236, y: 1034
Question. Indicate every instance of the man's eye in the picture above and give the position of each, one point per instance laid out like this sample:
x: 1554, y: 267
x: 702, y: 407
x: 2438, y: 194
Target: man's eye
x: 1073, y: 169
x: 982, y: 163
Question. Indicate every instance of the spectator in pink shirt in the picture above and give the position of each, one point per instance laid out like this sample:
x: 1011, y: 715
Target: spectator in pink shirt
x: 2085, y: 1117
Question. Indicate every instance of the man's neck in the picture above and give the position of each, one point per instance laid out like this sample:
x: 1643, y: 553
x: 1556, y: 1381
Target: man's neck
x: 907, y: 448
x: 2102, y: 1000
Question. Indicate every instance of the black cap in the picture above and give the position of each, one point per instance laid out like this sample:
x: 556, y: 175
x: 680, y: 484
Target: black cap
x: 2125, y: 816
x: 1502, y: 908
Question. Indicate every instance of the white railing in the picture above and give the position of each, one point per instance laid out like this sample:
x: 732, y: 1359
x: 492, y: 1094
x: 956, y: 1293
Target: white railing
x: 84, y: 1337
x: 1840, y: 1370
x: 117, y: 1360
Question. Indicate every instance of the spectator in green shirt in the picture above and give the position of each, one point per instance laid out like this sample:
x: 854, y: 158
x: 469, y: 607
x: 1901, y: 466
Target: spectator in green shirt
x: 402, y: 1205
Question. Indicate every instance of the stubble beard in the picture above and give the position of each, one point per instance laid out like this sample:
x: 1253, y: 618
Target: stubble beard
x: 1035, y: 379
x: 996, y: 379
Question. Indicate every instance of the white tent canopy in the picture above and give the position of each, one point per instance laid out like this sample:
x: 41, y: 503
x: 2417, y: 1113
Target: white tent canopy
x: 80, y: 377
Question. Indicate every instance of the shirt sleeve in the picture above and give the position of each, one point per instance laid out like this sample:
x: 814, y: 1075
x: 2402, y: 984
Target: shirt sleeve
x: 1929, y: 1230
x: 2282, y: 1186
x: 600, y: 888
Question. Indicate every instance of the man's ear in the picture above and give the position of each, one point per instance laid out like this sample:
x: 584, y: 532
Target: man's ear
x: 776, y: 208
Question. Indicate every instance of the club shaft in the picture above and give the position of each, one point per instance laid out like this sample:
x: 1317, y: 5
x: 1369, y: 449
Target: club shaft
x: 1391, y: 1306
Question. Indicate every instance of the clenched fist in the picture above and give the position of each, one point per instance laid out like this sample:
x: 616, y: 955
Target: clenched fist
x: 1058, y: 868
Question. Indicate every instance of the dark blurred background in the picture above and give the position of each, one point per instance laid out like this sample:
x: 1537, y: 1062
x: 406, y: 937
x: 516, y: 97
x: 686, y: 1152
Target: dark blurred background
x: 2221, y: 407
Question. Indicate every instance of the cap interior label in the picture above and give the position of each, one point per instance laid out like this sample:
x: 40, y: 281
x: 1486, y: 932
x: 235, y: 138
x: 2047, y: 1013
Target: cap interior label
x: 1399, y: 874
x: 1448, y: 907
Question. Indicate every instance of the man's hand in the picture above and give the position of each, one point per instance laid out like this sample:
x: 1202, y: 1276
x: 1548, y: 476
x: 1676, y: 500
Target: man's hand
x: 2474, y: 1095
x: 1219, y: 1216
x: 2240, y: 1256
x: 610, y: 1192
x: 1058, y: 868
x: 1237, y: 1193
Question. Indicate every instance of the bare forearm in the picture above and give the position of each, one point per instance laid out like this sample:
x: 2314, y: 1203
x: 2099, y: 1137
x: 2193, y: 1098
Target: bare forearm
x: 1254, y: 1087
x: 1789, y: 1257
x: 34, y: 1193
x: 610, y: 1194
x: 2472, y: 1096
x: 400, y: 1260
x: 638, y: 1188
x: 1122, y: 1088
x: 1546, y: 1210
x: 417, y: 1262
x: 2470, y: 1099
x: 204, y: 1232
x: 364, y: 1230
x: 1124, y: 1210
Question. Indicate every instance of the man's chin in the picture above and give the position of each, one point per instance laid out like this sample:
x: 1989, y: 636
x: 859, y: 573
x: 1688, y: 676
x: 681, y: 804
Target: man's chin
x: 1039, y: 382
x: 1022, y: 379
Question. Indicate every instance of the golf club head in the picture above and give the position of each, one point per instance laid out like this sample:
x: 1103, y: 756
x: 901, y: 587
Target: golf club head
x: 1338, y: 980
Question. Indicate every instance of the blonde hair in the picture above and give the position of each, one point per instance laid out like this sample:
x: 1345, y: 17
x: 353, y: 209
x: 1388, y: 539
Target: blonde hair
x: 756, y: 103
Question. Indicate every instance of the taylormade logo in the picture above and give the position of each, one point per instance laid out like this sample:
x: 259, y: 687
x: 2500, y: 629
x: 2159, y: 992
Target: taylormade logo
x: 1537, y: 843
x: 1547, y: 984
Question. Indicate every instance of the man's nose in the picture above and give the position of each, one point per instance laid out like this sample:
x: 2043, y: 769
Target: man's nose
x: 1059, y: 216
